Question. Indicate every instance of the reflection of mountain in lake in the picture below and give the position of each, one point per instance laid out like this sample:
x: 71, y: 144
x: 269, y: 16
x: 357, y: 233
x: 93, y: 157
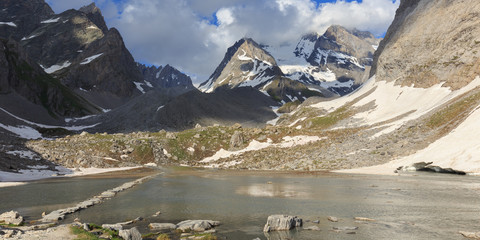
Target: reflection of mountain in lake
x: 274, y: 190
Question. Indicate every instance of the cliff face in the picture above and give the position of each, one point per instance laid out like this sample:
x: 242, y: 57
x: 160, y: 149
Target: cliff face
x: 430, y: 42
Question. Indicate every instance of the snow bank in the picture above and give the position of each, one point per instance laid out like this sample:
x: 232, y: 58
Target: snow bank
x: 256, y: 145
x: 90, y: 59
x: 27, y: 132
x: 8, y: 179
x: 25, y: 154
x: 458, y: 150
x: 391, y: 101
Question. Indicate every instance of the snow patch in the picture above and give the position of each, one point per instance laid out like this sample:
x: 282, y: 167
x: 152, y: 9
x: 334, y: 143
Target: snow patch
x: 90, y: 59
x: 57, y: 67
x: 30, y: 37
x: 53, y: 20
x: 24, y: 132
x: 11, y: 24
x: 256, y: 145
x: 139, y: 87
x: 158, y: 109
x: 24, y: 154
x: 148, y: 84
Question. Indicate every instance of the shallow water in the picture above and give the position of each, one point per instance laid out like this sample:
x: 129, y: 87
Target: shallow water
x: 423, y: 206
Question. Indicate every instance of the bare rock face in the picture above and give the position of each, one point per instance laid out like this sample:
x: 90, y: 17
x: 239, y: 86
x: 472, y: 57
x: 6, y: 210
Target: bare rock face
x: 237, y: 140
x: 20, y: 75
x: 25, y: 16
x: 417, y: 51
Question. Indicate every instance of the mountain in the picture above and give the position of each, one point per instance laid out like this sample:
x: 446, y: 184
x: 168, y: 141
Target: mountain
x: 66, y: 44
x: 338, y: 60
x: 247, y: 64
x: 164, y: 77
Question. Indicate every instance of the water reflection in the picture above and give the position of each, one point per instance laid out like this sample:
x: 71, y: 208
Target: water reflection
x: 274, y: 190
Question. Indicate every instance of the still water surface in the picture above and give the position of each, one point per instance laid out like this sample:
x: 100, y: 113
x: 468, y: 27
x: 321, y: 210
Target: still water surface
x: 423, y: 206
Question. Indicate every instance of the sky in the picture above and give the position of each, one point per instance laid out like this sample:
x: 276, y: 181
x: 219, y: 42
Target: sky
x: 193, y: 35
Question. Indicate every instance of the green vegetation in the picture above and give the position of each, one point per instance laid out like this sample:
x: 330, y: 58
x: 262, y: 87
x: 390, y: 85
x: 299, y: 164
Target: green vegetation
x: 454, y: 112
x: 331, y: 119
x: 82, y: 234
x: 163, y: 236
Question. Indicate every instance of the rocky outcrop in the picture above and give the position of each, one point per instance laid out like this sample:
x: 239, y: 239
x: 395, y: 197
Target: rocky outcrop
x: 422, y: 55
x: 282, y: 223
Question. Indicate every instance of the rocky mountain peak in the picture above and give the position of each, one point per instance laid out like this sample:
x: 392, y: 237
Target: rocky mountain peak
x: 246, y: 63
x: 95, y: 15
x: 164, y: 77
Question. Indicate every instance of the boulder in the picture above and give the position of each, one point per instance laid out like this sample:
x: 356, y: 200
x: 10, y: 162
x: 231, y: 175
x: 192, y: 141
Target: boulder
x: 162, y: 226
x: 130, y: 234
x: 237, y: 140
x: 332, y: 219
x: 197, y: 225
x: 11, y: 217
x: 427, y: 167
x: 282, y: 222
x: 312, y: 228
x: 116, y: 227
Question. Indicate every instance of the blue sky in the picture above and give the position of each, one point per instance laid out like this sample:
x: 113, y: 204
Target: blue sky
x: 193, y: 35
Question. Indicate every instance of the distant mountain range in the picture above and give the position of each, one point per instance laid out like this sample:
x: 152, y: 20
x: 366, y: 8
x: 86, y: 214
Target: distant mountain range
x: 79, y: 67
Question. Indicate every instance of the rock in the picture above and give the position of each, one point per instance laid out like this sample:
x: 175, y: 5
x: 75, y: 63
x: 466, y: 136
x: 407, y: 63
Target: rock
x: 364, y: 219
x: 86, y: 227
x: 162, y: 226
x: 427, y: 167
x: 312, y: 228
x: 157, y: 214
x: 130, y: 234
x: 11, y: 217
x: 470, y: 235
x: 197, y: 225
x: 171, y: 135
x: 345, y: 228
x: 83, y: 134
x: 237, y: 126
x: 237, y: 140
x: 332, y: 219
x: 198, y: 126
x: 282, y: 222
x: 316, y: 221
x: 116, y: 226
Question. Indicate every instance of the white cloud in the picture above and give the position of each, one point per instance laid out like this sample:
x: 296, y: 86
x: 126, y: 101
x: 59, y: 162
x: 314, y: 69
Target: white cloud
x: 178, y: 32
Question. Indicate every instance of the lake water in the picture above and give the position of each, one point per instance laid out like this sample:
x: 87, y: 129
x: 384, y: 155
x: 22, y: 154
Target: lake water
x: 425, y: 206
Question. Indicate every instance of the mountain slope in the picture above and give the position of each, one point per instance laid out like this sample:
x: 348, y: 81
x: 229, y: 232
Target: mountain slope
x: 20, y: 75
x: 163, y: 77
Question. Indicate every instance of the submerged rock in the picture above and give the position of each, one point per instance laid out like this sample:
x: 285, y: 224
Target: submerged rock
x: 471, y: 235
x: 282, y: 222
x: 197, y: 225
x: 162, y: 226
